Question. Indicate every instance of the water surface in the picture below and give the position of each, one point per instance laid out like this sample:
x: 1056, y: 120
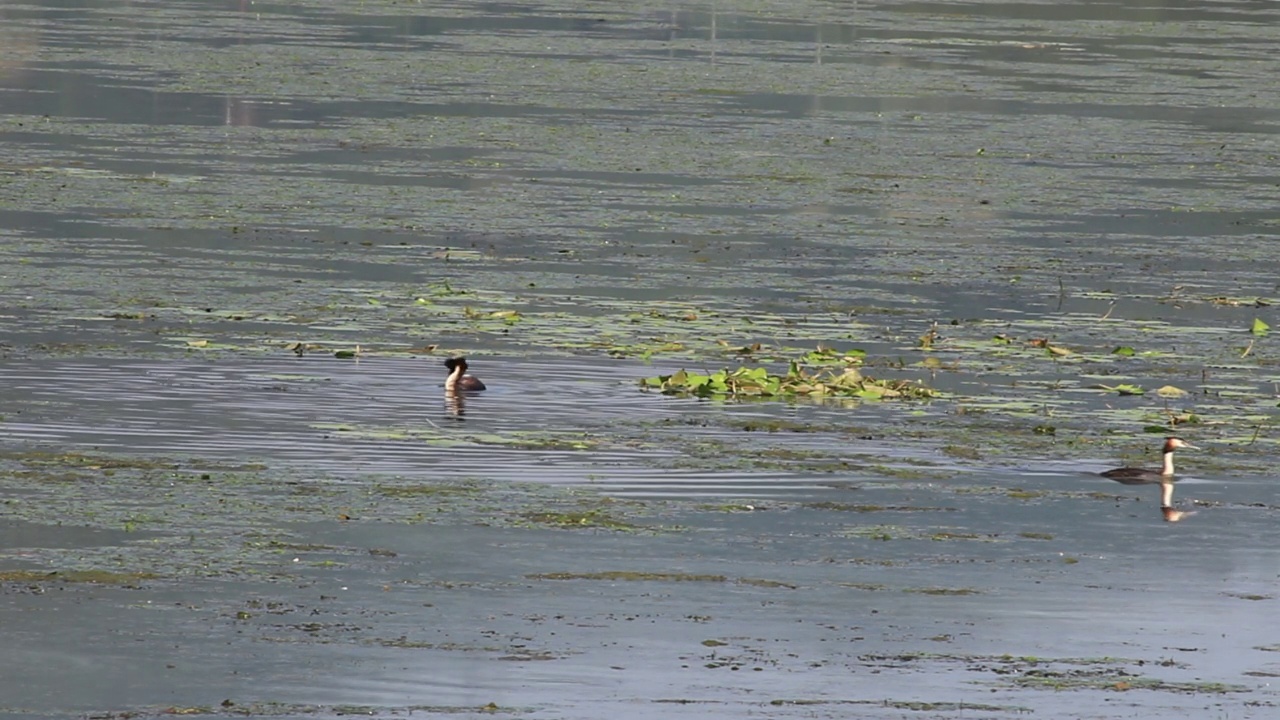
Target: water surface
x: 579, y: 196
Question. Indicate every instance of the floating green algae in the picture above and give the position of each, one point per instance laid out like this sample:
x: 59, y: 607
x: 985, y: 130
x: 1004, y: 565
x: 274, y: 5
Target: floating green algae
x: 745, y: 382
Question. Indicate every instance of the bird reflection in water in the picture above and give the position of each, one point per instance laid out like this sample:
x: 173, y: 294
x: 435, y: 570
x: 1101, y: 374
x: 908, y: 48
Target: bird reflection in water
x: 455, y: 404
x: 1164, y: 476
x: 1170, y: 513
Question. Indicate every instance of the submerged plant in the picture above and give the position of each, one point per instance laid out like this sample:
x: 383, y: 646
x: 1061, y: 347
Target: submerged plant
x: 832, y: 381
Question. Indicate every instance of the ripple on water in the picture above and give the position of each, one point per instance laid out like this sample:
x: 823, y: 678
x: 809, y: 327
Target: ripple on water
x: 555, y: 421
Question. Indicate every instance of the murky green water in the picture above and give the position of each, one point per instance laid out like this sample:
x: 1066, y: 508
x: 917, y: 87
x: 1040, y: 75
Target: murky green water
x: 988, y: 198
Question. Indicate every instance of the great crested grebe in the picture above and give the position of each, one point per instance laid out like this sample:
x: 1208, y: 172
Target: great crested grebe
x: 1143, y: 476
x: 458, y: 378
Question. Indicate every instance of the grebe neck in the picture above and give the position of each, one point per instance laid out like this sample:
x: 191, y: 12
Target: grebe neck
x: 1167, y: 469
x: 451, y: 382
x: 1166, y: 494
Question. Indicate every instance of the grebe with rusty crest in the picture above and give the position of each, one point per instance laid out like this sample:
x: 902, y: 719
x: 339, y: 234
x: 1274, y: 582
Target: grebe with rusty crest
x: 1143, y: 476
x: 459, y: 379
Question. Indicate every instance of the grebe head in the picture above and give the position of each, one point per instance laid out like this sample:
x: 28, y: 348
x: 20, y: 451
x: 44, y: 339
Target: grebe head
x: 457, y: 379
x: 1175, y: 443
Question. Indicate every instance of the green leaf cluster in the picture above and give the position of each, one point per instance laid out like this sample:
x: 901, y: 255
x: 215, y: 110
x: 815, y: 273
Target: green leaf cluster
x: 846, y: 382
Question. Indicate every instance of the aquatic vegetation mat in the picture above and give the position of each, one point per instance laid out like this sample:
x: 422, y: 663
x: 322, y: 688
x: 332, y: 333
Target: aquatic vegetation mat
x: 847, y: 381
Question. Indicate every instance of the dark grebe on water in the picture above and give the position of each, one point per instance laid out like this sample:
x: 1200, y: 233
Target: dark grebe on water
x: 1143, y: 476
x: 458, y: 378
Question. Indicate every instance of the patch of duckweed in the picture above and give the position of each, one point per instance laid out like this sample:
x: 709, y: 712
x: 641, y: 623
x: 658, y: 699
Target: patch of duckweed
x: 436, y: 436
x: 95, y: 577
x: 1017, y: 494
x: 421, y: 490
x: 880, y: 532
x: 761, y: 582
x: 580, y: 519
x: 405, y: 643
x: 729, y: 507
x: 283, y: 546
x: 1009, y: 663
x: 36, y: 458
x: 906, y: 473
x: 942, y: 591
x: 1248, y: 596
x: 912, y: 705
x: 945, y: 535
x: 1118, y: 682
x: 1057, y: 673
x: 231, y: 708
x: 873, y: 587
x: 844, y: 380
x: 851, y: 507
x: 877, y: 562
x: 964, y: 452
x: 554, y: 441
x: 792, y: 454
x: 45, y: 458
x: 629, y: 576
x: 897, y: 532
x: 778, y: 425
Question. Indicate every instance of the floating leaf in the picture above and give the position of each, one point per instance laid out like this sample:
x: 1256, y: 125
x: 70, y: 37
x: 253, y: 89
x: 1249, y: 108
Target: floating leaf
x: 1124, y: 389
x: 1053, y: 349
x: 197, y: 343
x: 828, y: 356
x: 1169, y: 391
x: 1259, y: 327
x: 1124, y: 350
